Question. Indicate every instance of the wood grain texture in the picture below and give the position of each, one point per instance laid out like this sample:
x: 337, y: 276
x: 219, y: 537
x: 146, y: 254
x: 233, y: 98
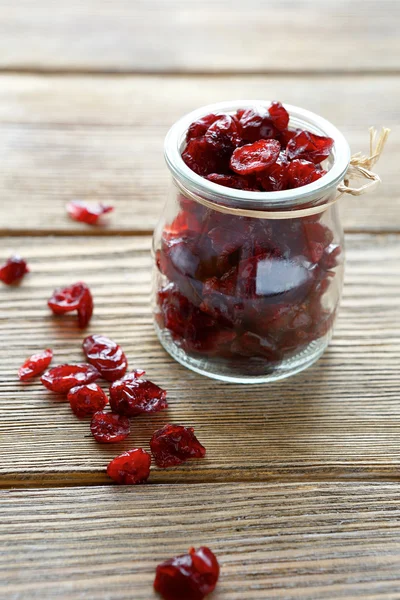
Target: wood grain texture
x: 303, y: 541
x: 211, y: 36
x: 339, y: 419
x: 102, y: 138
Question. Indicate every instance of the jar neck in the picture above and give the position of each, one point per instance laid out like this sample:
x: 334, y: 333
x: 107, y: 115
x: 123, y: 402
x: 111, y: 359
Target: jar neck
x: 313, y: 194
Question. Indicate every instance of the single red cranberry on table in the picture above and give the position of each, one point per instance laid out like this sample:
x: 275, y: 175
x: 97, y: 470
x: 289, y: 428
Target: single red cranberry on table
x: 174, y: 444
x: 107, y: 356
x: 86, y: 399
x: 133, y: 395
x: 73, y: 297
x: 35, y: 365
x: 109, y: 428
x: 189, y: 576
x: 131, y: 467
x: 86, y: 212
x: 62, y: 378
x: 13, y: 270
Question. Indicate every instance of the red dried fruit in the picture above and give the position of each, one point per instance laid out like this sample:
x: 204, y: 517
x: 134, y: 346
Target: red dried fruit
x: 256, y: 124
x: 279, y: 116
x: 255, y: 158
x: 188, y: 577
x: 302, y: 172
x: 309, y: 146
x: 131, y: 467
x: 174, y: 444
x: 131, y: 396
x: 73, y: 297
x: 224, y: 134
x: 13, y: 270
x: 233, y: 181
x: 202, y: 157
x: 199, y: 128
x: 106, y: 356
x: 35, y: 365
x: 109, y: 428
x: 86, y: 399
x: 276, y: 177
x: 62, y: 378
x: 85, y: 212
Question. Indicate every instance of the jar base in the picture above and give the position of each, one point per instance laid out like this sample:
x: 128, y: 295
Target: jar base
x: 222, y: 372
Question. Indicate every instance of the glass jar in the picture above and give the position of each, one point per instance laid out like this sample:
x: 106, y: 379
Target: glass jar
x: 246, y: 284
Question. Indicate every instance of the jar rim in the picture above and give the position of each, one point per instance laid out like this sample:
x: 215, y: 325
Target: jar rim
x: 219, y: 194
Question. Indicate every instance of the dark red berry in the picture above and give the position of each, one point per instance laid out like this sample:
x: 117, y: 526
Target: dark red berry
x: 309, y: 146
x: 256, y: 124
x: 131, y: 467
x: 233, y: 181
x: 188, y: 577
x: 13, y: 270
x: 131, y: 396
x: 85, y: 212
x: 62, y: 378
x: 74, y: 297
x: 203, y: 158
x: 106, y: 356
x: 302, y: 172
x: 279, y: 116
x: 224, y: 134
x: 35, y: 365
x: 109, y: 428
x: 255, y: 158
x: 87, y: 399
x: 174, y: 444
x: 199, y: 128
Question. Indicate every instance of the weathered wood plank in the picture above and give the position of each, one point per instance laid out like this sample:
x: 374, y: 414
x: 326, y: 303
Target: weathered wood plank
x: 102, y: 138
x: 211, y: 36
x: 290, y: 541
x: 340, y: 419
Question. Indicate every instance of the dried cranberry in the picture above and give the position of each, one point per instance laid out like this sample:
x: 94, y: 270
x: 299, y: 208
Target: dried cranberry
x: 106, y: 356
x: 202, y: 157
x: 74, y: 297
x: 131, y: 467
x: 276, y: 177
x: 256, y: 124
x: 86, y: 399
x: 174, y: 444
x: 309, y: 146
x: 132, y: 395
x: 87, y: 213
x: 302, y: 172
x: 233, y: 181
x: 255, y: 158
x: 199, y: 128
x: 224, y: 134
x: 188, y: 577
x: 279, y: 116
x: 13, y: 270
x: 109, y: 428
x: 35, y: 365
x: 62, y: 378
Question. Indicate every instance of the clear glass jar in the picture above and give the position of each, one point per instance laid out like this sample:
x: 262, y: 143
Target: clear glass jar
x: 248, y: 298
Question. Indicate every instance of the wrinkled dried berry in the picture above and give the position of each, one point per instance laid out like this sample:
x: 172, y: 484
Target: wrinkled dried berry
x: 62, y: 378
x: 35, y: 365
x: 302, y: 172
x: 233, y: 181
x: 109, y: 428
x: 133, y: 395
x: 74, y: 297
x: 309, y: 146
x: 85, y: 212
x: 13, y: 270
x: 279, y: 116
x: 86, y: 399
x: 174, y: 444
x: 106, y: 356
x: 131, y: 467
x: 256, y: 124
x: 255, y: 158
x: 188, y: 577
x: 199, y: 128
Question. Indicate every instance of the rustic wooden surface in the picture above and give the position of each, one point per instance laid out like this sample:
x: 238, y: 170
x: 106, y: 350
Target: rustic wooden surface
x: 299, y: 493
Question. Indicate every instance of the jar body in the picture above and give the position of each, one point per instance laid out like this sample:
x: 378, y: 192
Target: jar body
x: 242, y: 298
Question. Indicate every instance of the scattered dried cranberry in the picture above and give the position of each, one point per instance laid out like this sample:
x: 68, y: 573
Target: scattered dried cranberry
x: 131, y: 396
x: 174, y: 444
x: 255, y: 158
x: 35, y: 365
x: 109, y: 428
x: 106, y: 356
x: 85, y: 212
x: 13, y: 270
x: 62, y: 378
x: 131, y: 467
x: 74, y: 297
x: 86, y: 399
x: 308, y: 146
x: 188, y: 577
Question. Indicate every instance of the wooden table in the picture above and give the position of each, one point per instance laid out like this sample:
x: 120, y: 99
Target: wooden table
x: 299, y: 495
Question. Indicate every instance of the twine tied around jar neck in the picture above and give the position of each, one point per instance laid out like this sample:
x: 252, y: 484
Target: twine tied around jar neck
x: 359, y: 168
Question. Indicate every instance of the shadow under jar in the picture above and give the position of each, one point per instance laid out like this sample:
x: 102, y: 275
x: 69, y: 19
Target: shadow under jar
x: 248, y: 298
